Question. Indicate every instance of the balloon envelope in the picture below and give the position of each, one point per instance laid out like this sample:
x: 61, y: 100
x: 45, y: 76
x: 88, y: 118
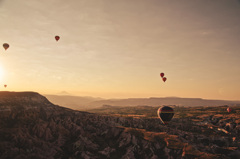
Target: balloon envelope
x: 57, y: 38
x: 5, y: 85
x: 5, y: 46
x: 229, y: 110
x: 164, y: 79
x: 162, y: 74
x: 165, y: 114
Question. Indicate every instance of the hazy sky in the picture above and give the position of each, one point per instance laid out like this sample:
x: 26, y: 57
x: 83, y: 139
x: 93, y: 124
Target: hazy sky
x: 118, y: 48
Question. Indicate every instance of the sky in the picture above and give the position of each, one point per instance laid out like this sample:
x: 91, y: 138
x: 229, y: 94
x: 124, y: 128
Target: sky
x: 118, y: 48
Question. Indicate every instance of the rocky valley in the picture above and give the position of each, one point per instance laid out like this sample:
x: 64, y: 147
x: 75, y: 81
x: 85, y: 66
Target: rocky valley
x: 33, y: 127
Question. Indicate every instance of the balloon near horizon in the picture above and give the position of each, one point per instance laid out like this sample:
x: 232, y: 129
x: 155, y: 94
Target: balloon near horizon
x: 229, y: 110
x: 165, y: 114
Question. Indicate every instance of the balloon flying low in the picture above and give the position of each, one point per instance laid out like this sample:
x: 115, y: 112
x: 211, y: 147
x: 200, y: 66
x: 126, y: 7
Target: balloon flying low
x: 229, y: 110
x: 165, y: 114
x: 5, y: 46
x: 57, y: 38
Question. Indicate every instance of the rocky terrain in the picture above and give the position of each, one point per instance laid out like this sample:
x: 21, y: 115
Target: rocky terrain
x: 32, y: 127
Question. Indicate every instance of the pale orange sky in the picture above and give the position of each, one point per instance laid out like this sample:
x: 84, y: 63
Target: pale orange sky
x: 117, y: 49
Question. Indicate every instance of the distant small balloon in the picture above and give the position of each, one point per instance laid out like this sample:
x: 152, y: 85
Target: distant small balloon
x: 164, y: 79
x: 5, y: 46
x: 5, y: 85
x: 57, y: 38
x: 162, y: 74
x: 229, y: 110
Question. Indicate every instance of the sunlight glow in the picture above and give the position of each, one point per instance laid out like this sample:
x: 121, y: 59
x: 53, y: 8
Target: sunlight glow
x: 1, y: 73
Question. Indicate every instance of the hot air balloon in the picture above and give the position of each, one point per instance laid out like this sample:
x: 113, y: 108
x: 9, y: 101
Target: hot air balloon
x: 164, y: 79
x: 229, y: 110
x: 165, y: 114
x: 57, y: 37
x: 162, y: 74
x: 5, y: 85
x: 6, y: 46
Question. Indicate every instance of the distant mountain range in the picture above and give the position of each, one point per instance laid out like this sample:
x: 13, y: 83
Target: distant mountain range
x: 73, y: 102
x: 84, y: 103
